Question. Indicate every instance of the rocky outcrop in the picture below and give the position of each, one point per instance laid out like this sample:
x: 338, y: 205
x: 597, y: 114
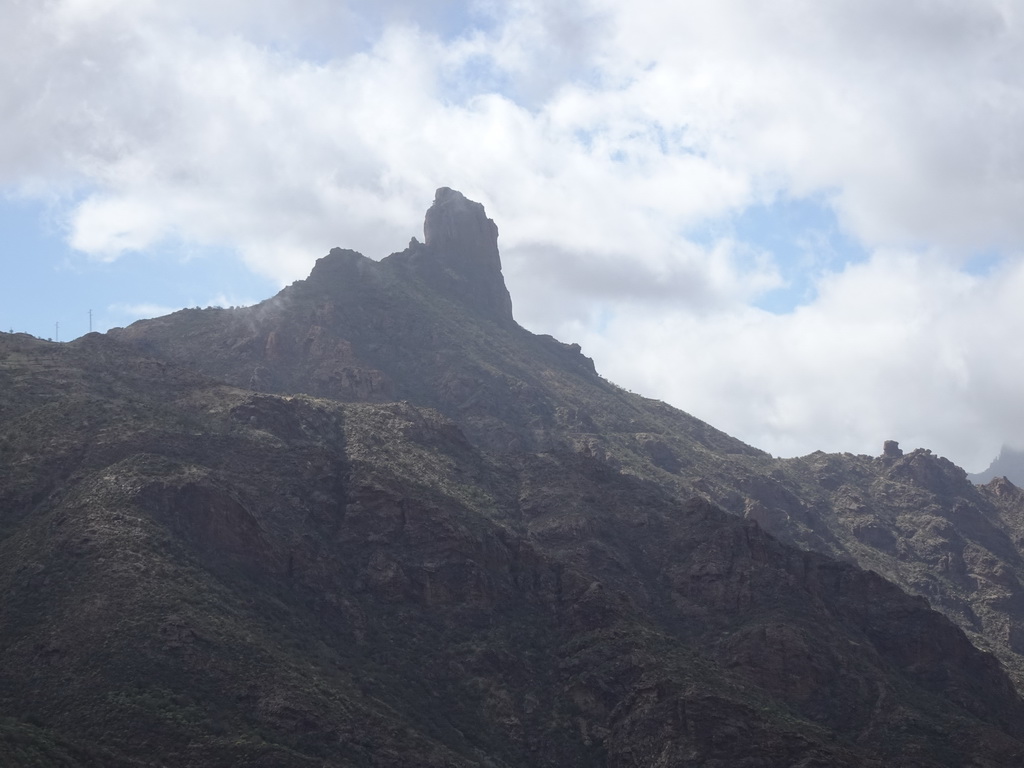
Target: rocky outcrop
x: 460, y: 256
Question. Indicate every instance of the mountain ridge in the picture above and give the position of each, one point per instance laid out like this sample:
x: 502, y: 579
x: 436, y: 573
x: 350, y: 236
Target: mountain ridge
x: 372, y: 521
x: 837, y: 504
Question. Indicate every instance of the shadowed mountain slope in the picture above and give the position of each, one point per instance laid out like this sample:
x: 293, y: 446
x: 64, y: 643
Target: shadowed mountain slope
x: 432, y: 325
x: 372, y: 521
x: 919, y: 521
x: 220, y: 576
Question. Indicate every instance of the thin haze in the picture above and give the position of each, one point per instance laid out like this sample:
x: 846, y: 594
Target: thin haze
x: 799, y: 221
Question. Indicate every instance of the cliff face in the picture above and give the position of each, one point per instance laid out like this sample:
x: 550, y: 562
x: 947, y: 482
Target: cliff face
x: 460, y: 256
x: 224, y: 541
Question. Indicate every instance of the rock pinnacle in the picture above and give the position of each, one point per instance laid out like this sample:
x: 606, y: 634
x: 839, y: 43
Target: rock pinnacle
x: 460, y: 255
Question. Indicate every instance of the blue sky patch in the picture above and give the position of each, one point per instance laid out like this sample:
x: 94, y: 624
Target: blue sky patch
x: 46, y: 283
x: 803, y: 237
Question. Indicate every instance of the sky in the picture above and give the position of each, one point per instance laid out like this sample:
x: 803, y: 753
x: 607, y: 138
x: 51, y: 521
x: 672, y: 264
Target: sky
x: 802, y: 221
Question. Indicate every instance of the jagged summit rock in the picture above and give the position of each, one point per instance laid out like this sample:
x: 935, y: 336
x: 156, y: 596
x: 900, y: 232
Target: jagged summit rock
x: 460, y: 256
x: 459, y: 259
x: 459, y: 225
x: 431, y: 324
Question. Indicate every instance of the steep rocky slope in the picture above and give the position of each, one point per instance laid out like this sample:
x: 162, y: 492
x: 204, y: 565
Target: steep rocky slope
x: 433, y: 325
x: 918, y: 520
x: 372, y: 521
x: 197, y: 574
x: 422, y: 326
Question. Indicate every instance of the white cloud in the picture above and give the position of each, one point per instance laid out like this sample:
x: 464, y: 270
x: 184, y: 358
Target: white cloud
x: 601, y: 137
x: 899, y: 347
x: 123, y: 311
x: 140, y: 310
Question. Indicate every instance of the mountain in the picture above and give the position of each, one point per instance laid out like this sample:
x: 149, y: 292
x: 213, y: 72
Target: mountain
x: 1009, y: 464
x: 919, y: 521
x: 431, y: 326
x: 374, y: 522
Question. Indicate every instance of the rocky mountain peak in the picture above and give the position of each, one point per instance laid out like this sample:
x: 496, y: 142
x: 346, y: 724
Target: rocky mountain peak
x: 460, y: 255
x: 460, y: 228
